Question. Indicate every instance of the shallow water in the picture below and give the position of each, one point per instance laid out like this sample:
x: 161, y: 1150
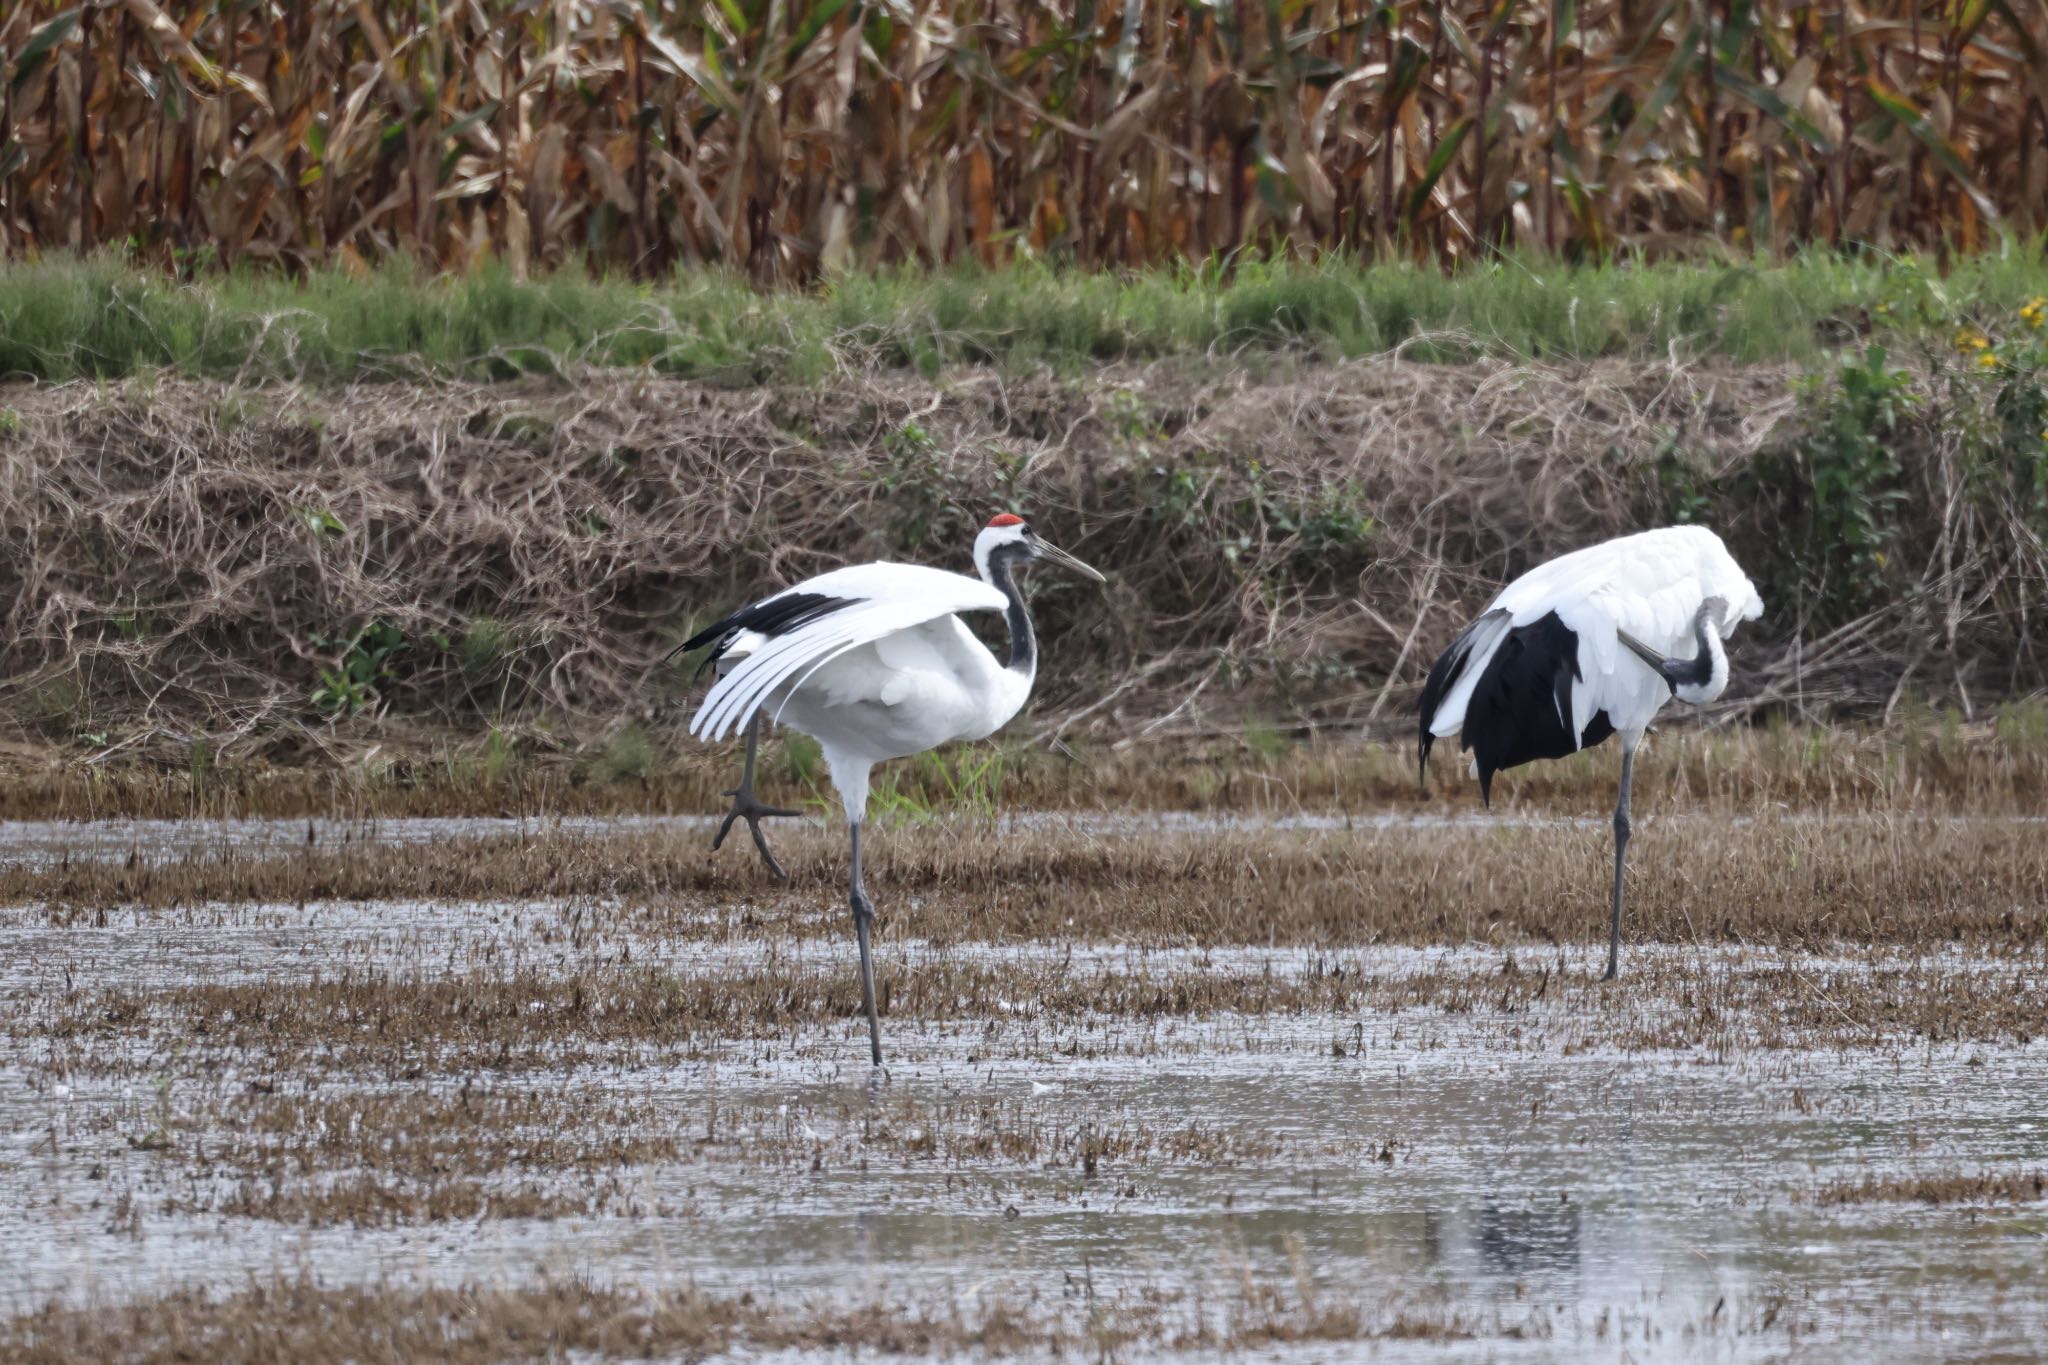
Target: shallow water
x: 1606, y: 1200
x: 1484, y: 1165
x: 40, y: 843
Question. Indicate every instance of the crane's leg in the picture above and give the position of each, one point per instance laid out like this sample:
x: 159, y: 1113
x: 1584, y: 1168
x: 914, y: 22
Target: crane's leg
x: 745, y: 807
x: 863, y: 917
x: 1621, y: 833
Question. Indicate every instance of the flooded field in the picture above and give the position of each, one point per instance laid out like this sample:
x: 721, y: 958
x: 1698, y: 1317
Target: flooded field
x: 1157, y: 1087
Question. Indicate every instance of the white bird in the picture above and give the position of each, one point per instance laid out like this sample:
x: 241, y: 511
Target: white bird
x: 874, y: 662
x: 1589, y: 645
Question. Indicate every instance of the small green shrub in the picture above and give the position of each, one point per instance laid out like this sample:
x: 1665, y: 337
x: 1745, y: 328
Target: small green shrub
x: 628, y: 755
x: 355, y: 682
x: 2016, y: 446
x: 1842, y: 474
x: 486, y: 648
x: 802, y: 759
x: 321, y: 522
x: 199, y: 765
x: 502, y: 760
x: 913, y: 476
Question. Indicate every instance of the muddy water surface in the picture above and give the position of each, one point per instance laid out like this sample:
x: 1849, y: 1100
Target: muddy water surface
x: 1501, y: 1172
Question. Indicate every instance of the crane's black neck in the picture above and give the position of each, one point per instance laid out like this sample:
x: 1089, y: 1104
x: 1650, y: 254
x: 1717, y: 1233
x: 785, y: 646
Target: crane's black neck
x: 1697, y: 671
x: 1023, y: 644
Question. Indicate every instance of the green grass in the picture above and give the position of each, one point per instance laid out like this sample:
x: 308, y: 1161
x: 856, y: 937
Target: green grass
x: 100, y: 318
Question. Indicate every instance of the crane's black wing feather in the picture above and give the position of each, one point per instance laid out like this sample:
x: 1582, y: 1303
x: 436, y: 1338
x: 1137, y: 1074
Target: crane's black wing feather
x: 771, y: 617
x: 1521, y: 708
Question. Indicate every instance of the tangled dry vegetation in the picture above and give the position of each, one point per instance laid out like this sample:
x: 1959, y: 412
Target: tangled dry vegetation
x: 191, y: 570
x: 793, y: 138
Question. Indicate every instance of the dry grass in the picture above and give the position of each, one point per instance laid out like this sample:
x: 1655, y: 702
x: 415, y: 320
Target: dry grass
x: 1898, y: 880
x: 302, y: 1321
x: 533, y: 552
x: 406, y: 1029
x: 1921, y: 764
x: 1981, y: 1187
x: 334, y: 1154
x: 322, y: 1158
x: 794, y: 140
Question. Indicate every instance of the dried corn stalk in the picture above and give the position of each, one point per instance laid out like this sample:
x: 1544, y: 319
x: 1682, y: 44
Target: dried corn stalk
x: 789, y: 137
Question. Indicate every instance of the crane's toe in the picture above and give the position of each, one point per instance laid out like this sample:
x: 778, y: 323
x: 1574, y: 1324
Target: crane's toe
x: 745, y: 807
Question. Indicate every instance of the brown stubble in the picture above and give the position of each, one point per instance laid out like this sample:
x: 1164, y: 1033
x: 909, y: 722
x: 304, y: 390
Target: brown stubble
x: 322, y: 1156
x: 333, y: 1154
x: 405, y: 1028
x: 1938, y: 1188
x: 300, y: 1319
x: 1893, y: 880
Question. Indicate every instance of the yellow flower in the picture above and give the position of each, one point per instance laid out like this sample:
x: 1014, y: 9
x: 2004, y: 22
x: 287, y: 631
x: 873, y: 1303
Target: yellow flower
x: 1970, y: 339
x: 2035, y: 313
x: 1987, y: 360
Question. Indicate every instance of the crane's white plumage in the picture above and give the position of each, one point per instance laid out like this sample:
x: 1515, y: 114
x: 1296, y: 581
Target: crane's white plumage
x: 1650, y: 586
x: 874, y: 662
x: 836, y: 659
x: 1590, y: 644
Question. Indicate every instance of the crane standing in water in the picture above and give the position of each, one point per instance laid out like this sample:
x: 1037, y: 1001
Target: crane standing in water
x: 874, y: 662
x: 1589, y: 645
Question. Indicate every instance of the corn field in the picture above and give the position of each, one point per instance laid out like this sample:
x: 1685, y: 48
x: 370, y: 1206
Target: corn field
x: 792, y: 138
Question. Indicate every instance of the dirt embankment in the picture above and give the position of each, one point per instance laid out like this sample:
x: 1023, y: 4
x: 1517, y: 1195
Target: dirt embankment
x: 193, y: 572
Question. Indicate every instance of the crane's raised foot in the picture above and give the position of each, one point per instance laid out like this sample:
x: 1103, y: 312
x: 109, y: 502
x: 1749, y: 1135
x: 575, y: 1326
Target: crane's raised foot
x: 745, y: 807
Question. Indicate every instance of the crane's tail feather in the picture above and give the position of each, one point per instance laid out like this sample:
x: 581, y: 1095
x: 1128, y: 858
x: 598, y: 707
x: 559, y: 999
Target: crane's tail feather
x: 1449, y: 685
x: 1522, y: 705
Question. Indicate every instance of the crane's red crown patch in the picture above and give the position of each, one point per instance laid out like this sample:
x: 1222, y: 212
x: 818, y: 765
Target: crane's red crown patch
x: 1006, y: 519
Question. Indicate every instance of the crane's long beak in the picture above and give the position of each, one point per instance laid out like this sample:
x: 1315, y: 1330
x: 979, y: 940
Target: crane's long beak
x: 1708, y: 618
x: 1644, y: 652
x: 1049, y: 551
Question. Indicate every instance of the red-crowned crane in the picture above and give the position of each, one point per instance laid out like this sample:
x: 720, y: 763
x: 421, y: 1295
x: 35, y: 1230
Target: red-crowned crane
x: 874, y: 662
x: 1589, y: 645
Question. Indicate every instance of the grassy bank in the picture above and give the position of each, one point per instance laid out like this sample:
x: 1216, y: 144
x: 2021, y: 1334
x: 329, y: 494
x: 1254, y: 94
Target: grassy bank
x: 295, y: 569
x: 102, y: 319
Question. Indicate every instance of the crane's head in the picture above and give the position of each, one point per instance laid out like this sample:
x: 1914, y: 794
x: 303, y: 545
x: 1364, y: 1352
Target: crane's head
x: 1009, y: 542
x: 1703, y: 677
